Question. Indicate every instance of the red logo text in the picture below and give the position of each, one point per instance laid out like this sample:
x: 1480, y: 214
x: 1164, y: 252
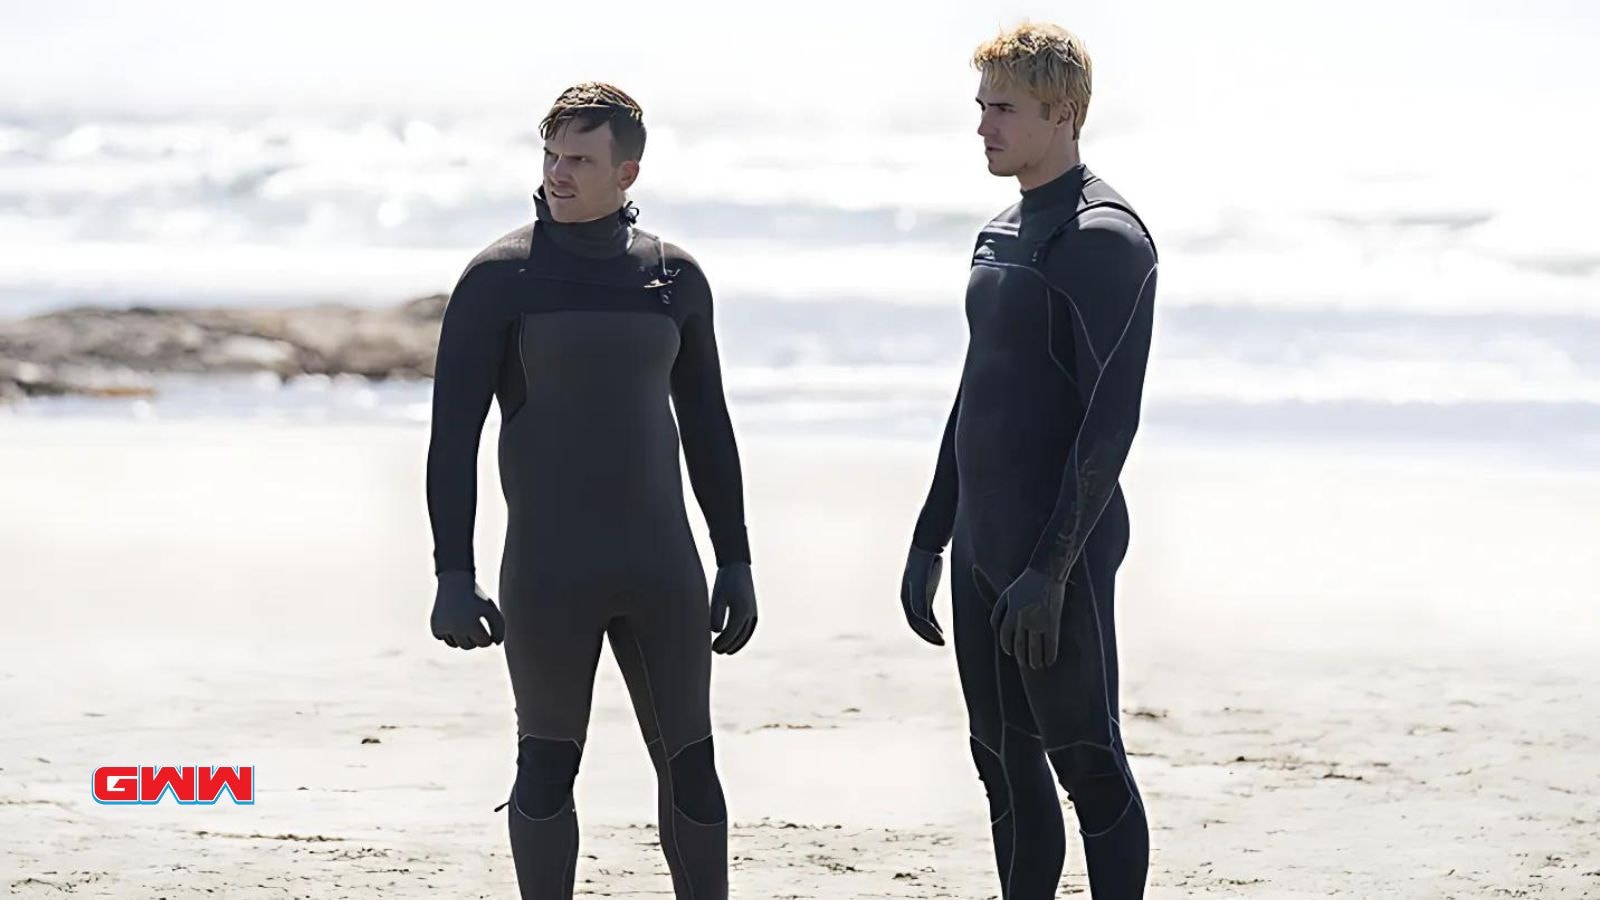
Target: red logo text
x: 186, y: 784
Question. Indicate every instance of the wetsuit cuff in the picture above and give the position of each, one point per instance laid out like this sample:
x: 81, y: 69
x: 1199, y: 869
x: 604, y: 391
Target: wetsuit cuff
x: 732, y: 547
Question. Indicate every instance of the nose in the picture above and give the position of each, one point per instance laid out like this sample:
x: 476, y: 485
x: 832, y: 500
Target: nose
x: 985, y: 126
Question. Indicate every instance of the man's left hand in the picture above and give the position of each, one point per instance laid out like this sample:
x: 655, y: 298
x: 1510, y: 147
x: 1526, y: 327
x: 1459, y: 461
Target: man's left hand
x: 1027, y: 619
x: 733, y: 608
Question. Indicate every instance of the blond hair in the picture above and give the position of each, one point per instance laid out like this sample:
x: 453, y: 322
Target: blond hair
x: 1047, y: 61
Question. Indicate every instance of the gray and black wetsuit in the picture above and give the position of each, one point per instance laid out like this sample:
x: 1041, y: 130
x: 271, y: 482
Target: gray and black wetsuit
x: 596, y: 338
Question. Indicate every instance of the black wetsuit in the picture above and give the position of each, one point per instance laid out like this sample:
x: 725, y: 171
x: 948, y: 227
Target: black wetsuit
x: 1059, y: 305
x: 583, y: 332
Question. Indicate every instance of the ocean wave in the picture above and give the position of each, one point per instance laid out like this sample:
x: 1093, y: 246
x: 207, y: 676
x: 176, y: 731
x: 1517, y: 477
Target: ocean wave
x: 882, y: 213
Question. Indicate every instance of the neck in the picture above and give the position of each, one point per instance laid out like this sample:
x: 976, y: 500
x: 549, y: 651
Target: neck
x: 605, y: 235
x: 611, y: 209
x: 1050, y: 168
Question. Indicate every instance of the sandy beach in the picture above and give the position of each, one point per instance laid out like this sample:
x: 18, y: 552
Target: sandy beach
x: 1345, y: 673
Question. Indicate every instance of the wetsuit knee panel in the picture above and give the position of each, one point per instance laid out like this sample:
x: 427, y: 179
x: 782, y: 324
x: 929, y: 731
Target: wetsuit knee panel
x: 1094, y: 778
x: 992, y: 772
x: 990, y: 768
x: 696, y: 790
x: 546, y: 770
x: 1081, y: 764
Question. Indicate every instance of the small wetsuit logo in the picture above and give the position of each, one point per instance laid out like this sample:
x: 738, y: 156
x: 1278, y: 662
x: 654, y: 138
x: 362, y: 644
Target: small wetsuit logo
x: 188, y: 785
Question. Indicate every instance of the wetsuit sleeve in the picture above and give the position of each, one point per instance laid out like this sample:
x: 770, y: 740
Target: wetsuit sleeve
x: 938, y: 517
x: 1108, y: 278
x: 471, y: 341
x: 709, y: 449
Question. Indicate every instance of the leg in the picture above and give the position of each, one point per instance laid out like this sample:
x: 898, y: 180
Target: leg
x: 551, y: 650
x: 1075, y: 703
x: 1024, y: 811
x: 663, y: 646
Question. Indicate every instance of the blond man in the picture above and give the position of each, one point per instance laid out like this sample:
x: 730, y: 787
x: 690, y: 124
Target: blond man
x: 1059, y: 306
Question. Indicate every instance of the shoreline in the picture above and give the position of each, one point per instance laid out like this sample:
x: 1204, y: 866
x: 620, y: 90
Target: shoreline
x: 212, y: 592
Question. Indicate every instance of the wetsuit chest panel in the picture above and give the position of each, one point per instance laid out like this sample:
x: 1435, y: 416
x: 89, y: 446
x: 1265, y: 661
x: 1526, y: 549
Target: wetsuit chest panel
x: 1019, y: 399
x: 593, y: 455
x: 600, y: 356
x: 546, y: 287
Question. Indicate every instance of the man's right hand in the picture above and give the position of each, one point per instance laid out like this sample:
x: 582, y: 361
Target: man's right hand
x: 459, y: 611
x: 917, y: 587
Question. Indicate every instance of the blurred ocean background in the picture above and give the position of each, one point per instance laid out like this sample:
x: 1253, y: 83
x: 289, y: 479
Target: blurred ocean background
x: 1374, y: 218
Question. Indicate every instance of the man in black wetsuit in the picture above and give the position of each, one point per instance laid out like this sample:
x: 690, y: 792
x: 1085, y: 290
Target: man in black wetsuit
x: 1059, y: 315
x: 582, y: 327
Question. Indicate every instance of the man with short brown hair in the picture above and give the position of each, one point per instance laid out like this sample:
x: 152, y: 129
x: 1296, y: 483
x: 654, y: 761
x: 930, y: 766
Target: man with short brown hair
x: 582, y: 326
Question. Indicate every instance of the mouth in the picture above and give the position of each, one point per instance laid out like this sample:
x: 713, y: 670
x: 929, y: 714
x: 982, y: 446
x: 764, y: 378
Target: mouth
x: 560, y: 193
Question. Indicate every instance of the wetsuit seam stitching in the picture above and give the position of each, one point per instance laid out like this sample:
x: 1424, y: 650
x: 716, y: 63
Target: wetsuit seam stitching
x: 1020, y: 730
x: 1050, y: 336
x: 1088, y: 405
x: 522, y: 356
x: 1119, y: 758
x: 663, y: 743
x: 1052, y: 286
x: 984, y: 745
x: 572, y: 859
x: 521, y: 735
x: 1088, y: 339
x: 526, y: 314
x: 1114, y: 823
x: 1070, y: 744
x: 567, y: 807
x: 571, y: 803
x: 672, y: 794
x: 1005, y: 773
x: 686, y: 746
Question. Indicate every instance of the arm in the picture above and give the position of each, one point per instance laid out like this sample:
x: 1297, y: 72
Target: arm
x: 1109, y: 280
x: 709, y: 448
x: 937, y: 519
x: 471, y: 341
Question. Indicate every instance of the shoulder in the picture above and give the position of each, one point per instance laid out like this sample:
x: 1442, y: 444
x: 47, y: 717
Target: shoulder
x: 1103, y: 243
x: 688, y: 278
x: 650, y: 250
x: 1113, y: 236
x: 681, y: 261
x: 662, y: 259
x: 474, y: 298
x: 510, y: 247
x: 1108, y: 223
x: 1007, y: 219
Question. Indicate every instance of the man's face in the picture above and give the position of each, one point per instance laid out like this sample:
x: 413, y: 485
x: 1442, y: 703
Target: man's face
x: 1016, y: 133
x: 582, y: 181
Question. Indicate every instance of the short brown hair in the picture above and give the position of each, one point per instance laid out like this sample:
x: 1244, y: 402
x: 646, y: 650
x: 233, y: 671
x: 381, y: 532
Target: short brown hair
x: 1047, y: 61
x: 594, y: 103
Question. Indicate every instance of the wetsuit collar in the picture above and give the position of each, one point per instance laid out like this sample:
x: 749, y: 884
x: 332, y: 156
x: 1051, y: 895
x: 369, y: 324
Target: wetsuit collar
x: 1064, y: 188
x: 599, y: 238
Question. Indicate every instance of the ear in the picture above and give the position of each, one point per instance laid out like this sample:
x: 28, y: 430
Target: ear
x: 627, y: 174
